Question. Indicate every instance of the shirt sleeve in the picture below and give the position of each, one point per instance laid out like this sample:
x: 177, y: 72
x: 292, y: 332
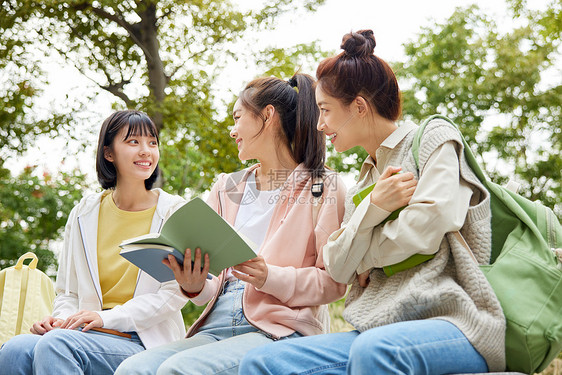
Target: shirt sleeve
x: 439, y: 205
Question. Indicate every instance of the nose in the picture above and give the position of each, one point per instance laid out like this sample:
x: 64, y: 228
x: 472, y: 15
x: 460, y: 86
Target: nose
x: 144, y: 150
x: 233, y: 132
x: 321, y: 125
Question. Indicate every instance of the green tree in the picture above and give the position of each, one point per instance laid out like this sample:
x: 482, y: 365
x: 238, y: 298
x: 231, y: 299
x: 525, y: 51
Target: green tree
x: 33, y: 213
x: 161, y: 56
x: 498, y: 87
x: 493, y: 85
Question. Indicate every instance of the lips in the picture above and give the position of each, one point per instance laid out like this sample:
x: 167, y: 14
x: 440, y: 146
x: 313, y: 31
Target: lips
x: 331, y: 137
x: 238, y: 141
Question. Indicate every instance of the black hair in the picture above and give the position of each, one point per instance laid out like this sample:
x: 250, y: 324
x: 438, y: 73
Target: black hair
x: 295, y: 101
x: 138, y: 124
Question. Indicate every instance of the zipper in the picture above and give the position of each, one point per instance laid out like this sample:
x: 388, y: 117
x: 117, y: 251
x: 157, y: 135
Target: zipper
x: 88, y: 261
x: 141, y: 271
x: 551, y: 232
x: 199, y: 322
x: 220, y: 204
x: 270, y: 336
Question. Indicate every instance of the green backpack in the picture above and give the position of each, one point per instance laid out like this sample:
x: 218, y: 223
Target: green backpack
x: 524, y: 270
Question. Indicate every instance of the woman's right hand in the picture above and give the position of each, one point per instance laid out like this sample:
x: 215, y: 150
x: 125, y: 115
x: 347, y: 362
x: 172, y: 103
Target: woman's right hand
x: 191, y: 278
x: 393, y: 190
x: 45, y: 325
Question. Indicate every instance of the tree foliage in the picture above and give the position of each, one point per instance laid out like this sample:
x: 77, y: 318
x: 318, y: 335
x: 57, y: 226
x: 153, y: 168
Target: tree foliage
x: 493, y: 86
x: 33, y: 213
x: 160, y: 56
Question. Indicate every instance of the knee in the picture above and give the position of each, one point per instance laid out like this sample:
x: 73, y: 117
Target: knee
x: 53, y: 342
x: 373, y: 344
x: 17, y: 354
x: 171, y: 367
x: 20, y: 347
x: 257, y: 361
x: 129, y: 366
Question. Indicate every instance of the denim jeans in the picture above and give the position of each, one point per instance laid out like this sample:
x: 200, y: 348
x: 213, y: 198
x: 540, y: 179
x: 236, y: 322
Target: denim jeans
x: 216, y: 348
x: 64, y: 351
x: 415, y: 347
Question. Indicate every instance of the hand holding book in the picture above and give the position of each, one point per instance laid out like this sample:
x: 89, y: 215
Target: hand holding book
x: 194, y: 225
x: 190, y: 276
x: 253, y: 271
x: 394, y: 189
x: 387, y: 193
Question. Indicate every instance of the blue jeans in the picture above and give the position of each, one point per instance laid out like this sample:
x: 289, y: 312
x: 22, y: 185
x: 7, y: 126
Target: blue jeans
x: 216, y: 348
x: 415, y: 347
x: 65, y: 351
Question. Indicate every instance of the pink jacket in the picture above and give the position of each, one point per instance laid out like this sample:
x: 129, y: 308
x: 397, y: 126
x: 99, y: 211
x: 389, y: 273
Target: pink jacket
x: 297, y: 283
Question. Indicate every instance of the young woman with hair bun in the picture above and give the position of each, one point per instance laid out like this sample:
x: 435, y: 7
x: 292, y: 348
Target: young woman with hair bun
x: 283, y: 292
x: 440, y: 316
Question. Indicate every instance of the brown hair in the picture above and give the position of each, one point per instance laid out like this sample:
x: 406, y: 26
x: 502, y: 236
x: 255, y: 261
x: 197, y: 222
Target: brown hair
x: 358, y: 72
x: 138, y: 124
x: 295, y: 101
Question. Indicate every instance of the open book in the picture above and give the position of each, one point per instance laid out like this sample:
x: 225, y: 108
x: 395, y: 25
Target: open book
x: 193, y: 225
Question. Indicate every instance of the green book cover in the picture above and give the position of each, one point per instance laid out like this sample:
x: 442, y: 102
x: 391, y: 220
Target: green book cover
x: 412, y: 261
x: 193, y: 225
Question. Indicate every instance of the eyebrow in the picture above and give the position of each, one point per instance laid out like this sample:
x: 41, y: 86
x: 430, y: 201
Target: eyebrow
x: 321, y: 103
x: 235, y: 111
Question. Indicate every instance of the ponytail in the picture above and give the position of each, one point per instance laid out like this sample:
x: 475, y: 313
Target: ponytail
x: 295, y: 102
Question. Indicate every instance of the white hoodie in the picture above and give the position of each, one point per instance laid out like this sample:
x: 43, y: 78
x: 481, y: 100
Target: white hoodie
x: 153, y: 312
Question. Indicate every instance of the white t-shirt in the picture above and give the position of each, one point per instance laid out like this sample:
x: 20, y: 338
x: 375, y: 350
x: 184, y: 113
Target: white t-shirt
x: 255, y: 212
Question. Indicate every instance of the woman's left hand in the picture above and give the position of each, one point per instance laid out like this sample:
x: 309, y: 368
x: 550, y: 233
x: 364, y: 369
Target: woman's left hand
x: 253, y: 271
x: 91, y: 319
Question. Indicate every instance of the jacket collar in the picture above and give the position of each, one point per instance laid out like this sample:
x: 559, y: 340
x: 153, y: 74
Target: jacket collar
x: 390, y: 142
x: 87, y: 222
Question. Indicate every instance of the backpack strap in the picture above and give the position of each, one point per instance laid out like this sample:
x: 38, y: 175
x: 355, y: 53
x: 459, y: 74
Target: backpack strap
x: 317, y: 190
x: 469, y: 156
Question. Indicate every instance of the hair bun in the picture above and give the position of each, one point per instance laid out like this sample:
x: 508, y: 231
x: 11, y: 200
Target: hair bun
x: 359, y: 44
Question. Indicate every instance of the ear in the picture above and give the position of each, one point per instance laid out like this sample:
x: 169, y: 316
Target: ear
x: 362, y: 106
x: 107, y: 154
x: 268, y: 113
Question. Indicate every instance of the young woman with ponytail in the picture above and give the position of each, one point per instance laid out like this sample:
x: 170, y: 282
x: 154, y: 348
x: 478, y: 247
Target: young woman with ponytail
x: 282, y: 292
x: 439, y: 317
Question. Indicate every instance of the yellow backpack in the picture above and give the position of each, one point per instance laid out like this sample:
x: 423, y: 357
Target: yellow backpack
x: 26, y: 296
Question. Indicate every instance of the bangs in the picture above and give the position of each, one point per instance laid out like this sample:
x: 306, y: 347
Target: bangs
x: 140, y: 126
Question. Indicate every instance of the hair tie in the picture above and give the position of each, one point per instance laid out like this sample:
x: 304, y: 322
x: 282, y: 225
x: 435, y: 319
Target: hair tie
x: 293, y: 83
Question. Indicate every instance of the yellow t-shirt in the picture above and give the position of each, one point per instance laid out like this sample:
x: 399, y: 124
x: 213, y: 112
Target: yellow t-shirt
x: 118, y: 276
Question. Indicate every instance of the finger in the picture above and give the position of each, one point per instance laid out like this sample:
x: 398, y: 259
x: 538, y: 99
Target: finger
x: 47, y: 325
x: 173, y: 264
x: 410, y: 183
x: 166, y: 262
x: 364, y: 280
x: 206, y: 266
x: 89, y: 326
x: 37, y: 329
x: 77, y: 323
x: 241, y: 276
x: 389, y: 171
x: 407, y: 176
x: 244, y: 268
x: 197, y: 261
x: 57, y: 323
x: 65, y: 323
x: 187, y: 261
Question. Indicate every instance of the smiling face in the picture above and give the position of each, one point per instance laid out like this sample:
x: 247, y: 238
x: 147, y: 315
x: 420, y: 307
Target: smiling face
x: 337, y: 121
x: 135, y: 158
x: 247, y: 132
